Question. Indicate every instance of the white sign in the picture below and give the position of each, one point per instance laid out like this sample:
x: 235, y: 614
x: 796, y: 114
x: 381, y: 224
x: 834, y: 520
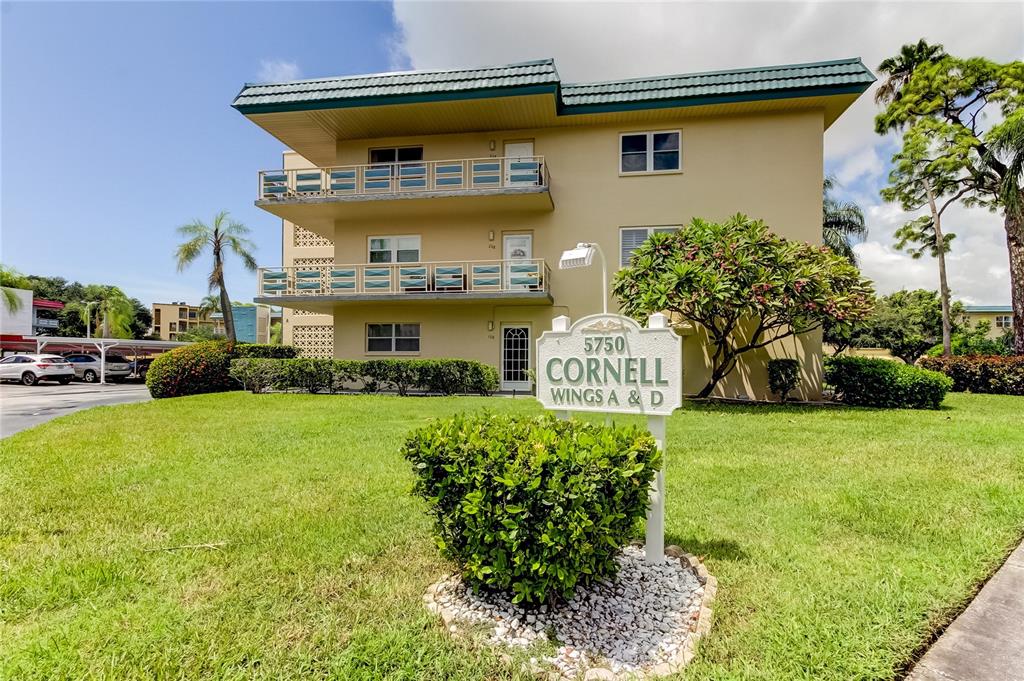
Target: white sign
x: 609, y: 363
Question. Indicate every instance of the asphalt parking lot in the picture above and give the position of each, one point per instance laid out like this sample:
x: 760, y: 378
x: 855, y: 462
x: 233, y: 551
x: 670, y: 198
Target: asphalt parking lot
x: 23, y: 406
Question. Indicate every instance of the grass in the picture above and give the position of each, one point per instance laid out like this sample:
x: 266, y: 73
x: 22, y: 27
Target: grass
x: 842, y: 539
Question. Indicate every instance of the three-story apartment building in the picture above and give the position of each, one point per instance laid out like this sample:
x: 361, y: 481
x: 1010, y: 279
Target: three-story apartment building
x: 424, y: 212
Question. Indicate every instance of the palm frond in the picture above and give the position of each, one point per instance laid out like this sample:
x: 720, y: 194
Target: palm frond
x: 189, y: 252
x: 242, y: 248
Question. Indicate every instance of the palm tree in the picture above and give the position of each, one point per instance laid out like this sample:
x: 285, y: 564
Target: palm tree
x: 11, y: 279
x: 112, y: 315
x: 840, y: 222
x: 898, y: 69
x: 209, y: 304
x: 223, y: 235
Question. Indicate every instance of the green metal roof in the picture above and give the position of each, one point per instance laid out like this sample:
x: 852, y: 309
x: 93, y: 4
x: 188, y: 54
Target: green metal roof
x: 392, y: 88
x: 845, y: 76
x: 769, y: 82
x: 988, y: 308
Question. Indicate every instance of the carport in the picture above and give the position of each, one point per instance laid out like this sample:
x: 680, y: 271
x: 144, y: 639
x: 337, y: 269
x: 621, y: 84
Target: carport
x: 102, y: 345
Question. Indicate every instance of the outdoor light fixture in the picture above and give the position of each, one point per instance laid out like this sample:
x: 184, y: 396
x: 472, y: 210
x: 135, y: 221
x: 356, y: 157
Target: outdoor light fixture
x: 583, y: 256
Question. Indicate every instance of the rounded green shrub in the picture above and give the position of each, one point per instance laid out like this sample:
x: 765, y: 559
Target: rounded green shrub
x: 533, y: 507
x: 885, y: 383
x: 192, y: 370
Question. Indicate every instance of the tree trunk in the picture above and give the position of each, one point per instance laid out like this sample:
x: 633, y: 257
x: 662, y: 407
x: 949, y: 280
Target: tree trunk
x: 1014, y: 225
x: 225, y: 309
x: 940, y: 248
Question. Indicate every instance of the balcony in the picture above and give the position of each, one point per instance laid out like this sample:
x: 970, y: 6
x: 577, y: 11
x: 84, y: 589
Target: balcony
x: 315, y: 197
x: 319, y: 288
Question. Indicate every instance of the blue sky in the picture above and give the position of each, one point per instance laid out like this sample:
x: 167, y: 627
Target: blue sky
x: 117, y: 128
x: 116, y: 124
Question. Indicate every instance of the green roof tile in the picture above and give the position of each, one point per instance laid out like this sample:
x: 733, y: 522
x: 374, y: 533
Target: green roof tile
x: 770, y: 82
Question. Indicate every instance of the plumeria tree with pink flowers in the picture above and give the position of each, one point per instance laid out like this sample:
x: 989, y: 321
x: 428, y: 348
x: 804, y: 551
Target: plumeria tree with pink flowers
x: 746, y: 286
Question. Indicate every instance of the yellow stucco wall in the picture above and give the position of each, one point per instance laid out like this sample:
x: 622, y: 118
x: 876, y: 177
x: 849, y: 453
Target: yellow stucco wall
x: 972, y: 318
x: 768, y: 166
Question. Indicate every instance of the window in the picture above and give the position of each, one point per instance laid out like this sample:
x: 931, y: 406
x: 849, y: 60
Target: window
x: 649, y: 152
x: 174, y: 326
x: 1004, y: 321
x: 630, y: 239
x: 395, y: 249
x: 396, y: 155
x: 392, y: 337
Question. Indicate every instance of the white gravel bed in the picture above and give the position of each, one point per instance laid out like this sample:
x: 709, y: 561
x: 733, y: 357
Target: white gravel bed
x: 642, y: 623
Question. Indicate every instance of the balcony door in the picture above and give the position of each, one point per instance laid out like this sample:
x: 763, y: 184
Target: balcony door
x: 516, y: 247
x: 515, y: 357
x: 516, y: 155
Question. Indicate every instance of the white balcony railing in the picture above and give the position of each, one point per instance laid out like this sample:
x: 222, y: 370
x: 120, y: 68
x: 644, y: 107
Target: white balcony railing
x: 461, y: 175
x: 454, y: 278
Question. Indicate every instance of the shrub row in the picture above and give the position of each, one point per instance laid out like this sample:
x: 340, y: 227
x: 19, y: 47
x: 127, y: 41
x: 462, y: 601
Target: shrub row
x: 439, y: 376
x: 204, y: 367
x: 995, y: 374
x: 532, y: 506
x: 885, y: 383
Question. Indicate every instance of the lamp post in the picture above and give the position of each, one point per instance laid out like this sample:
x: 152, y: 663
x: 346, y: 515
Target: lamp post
x: 88, y: 318
x: 583, y: 256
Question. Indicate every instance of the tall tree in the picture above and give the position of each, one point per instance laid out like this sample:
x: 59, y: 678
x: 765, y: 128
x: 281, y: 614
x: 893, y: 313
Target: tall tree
x: 111, y: 314
x: 948, y: 102
x: 841, y: 222
x: 223, y: 235
x: 746, y: 287
x: 899, y: 68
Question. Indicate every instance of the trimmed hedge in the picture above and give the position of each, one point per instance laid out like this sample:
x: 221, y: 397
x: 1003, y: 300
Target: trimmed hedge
x: 204, y: 367
x: 443, y: 376
x: 192, y: 370
x: 783, y: 376
x: 885, y: 383
x: 532, y: 506
x: 994, y: 374
x: 265, y: 351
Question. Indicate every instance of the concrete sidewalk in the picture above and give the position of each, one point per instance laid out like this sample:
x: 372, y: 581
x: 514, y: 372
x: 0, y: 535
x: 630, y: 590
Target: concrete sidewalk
x: 986, y: 643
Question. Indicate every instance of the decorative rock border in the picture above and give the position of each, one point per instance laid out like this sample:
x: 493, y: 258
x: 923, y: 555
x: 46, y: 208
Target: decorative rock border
x: 509, y: 627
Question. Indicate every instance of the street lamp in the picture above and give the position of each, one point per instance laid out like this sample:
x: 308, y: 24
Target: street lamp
x: 583, y: 256
x: 88, y: 318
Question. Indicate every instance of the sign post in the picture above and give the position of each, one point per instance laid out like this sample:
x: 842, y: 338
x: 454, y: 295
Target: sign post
x: 608, y: 363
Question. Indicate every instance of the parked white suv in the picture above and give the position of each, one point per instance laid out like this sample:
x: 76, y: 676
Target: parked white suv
x: 87, y: 367
x: 30, y: 369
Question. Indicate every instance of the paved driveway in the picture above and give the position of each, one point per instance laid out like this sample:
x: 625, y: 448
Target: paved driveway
x: 23, y: 406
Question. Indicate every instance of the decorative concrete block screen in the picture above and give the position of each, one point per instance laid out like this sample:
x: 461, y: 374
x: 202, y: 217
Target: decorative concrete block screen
x: 314, y: 340
x: 303, y: 238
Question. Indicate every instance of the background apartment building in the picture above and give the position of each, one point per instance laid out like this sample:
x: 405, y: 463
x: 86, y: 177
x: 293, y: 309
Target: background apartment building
x: 424, y: 213
x: 170, y: 319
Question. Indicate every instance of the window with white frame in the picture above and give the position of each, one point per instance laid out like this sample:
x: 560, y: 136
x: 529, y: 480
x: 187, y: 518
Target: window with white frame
x: 392, y: 337
x: 630, y: 239
x: 394, y: 249
x: 650, y: 152
x: 1004, y: 321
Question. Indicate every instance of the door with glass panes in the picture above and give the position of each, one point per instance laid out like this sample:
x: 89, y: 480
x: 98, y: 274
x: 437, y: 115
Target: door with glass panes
x: 515, y: 357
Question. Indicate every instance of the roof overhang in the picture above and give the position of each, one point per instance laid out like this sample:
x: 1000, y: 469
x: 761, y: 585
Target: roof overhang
x: 311, y: 117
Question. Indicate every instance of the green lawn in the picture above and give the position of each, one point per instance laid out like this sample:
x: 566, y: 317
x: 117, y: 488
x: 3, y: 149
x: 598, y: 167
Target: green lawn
x: 841, y: 538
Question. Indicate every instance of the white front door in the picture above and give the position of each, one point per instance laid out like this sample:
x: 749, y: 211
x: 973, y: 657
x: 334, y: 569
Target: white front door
x: 517, y: 247
x: 515, y: 357
x: 520, y: 168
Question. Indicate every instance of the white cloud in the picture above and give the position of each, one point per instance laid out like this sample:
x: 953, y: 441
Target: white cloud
x: 602, y: 41
x: 976, y: 268
x: 278, y: 71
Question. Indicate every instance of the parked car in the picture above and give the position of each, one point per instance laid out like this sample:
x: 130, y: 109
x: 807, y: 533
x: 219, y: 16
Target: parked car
x: 141, y: 366
x: 87, y: 367
x: 30, y: 369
